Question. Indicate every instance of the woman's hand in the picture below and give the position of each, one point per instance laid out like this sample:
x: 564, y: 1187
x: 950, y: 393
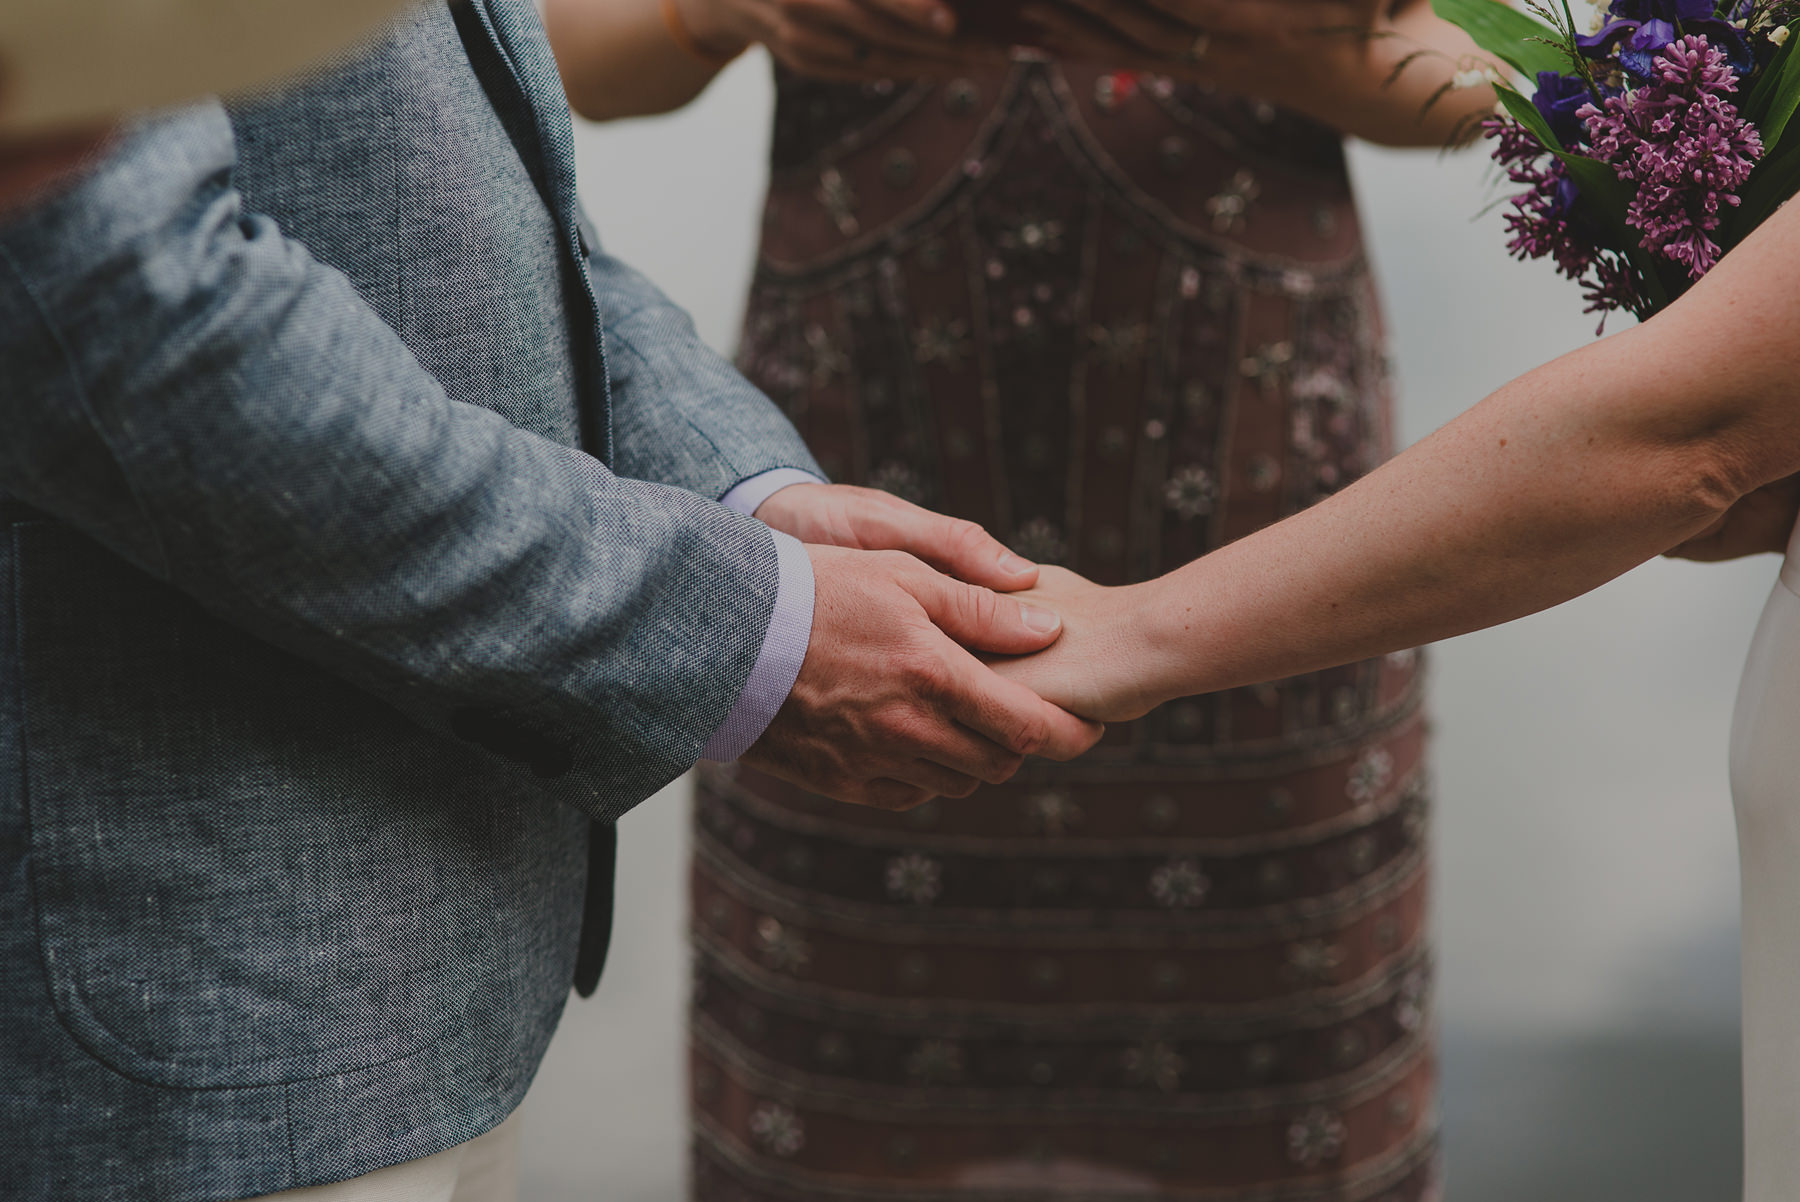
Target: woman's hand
x: 1389, y: 71
x: 1250, y: 47
x: 844, y: 40
x: 1099, y: 668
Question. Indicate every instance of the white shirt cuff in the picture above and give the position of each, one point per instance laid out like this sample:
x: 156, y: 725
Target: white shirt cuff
x: 747, y: 496
x: 783, y: 651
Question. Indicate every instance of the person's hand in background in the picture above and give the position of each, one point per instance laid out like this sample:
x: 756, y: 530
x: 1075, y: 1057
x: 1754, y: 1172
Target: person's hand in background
x: 891, y: 708
x: 1759, y: 523
x: 847, y: 40
x: 31, y: 166
x: 1389, y: 72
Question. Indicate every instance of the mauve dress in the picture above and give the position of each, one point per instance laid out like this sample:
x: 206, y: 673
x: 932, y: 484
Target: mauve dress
x: 1120, y: 322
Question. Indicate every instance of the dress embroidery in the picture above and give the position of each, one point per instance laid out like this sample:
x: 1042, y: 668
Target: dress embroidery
x: 1121, y: 322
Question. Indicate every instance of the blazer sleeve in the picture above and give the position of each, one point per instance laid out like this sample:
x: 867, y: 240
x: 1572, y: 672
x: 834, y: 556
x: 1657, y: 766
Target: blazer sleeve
x: 681, y: 413
x: 202, y: 397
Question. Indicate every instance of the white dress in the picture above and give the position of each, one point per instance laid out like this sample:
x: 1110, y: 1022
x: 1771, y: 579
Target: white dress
x: 1765, y: 788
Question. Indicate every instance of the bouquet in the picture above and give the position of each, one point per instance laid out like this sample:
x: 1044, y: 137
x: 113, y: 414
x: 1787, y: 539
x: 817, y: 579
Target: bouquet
x: 1659, y: 135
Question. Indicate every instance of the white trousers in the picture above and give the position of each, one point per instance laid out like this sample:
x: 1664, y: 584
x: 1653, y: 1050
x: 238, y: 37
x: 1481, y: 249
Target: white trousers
x: 486, y: 1169
x: 1765, y: 786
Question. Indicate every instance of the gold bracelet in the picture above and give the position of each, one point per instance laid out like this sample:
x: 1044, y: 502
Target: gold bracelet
x: 679, y: 34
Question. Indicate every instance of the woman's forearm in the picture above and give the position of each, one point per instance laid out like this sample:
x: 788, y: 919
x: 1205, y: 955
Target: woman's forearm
x: 618, y: 58
x: 1554, y: 485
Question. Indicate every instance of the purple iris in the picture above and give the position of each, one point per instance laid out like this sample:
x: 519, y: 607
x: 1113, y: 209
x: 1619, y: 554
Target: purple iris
x: 1641, y: 28
x: 1559, y: 98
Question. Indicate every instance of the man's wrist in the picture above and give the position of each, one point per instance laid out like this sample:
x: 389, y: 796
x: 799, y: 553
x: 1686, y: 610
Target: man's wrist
x: 778, y: 661
x: 748, y: 496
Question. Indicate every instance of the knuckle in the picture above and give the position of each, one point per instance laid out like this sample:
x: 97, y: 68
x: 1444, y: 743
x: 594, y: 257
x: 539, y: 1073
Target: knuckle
x: 906, y: 731
x: 981, y: 605
x: 1003, y: 769
x: 894, y: 796
x: 966, y: 536
x: 1029, y: 734
x: 928, y: 672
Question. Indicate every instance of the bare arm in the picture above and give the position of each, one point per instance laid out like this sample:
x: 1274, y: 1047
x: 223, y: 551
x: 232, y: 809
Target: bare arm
x: 1555, y: 484
x: 1391, y: 83
x: 620, y: 58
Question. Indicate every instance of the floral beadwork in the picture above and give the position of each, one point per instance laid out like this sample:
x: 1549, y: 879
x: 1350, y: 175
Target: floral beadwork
x: 777, y: 1130
x: 914, y: 878
x: 1179, y: 885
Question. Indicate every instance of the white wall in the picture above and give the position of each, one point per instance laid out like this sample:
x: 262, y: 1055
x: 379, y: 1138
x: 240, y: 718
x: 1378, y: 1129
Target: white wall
x: 1587, y: 877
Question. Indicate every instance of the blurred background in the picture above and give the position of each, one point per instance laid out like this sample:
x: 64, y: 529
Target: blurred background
x: 1587, y: 879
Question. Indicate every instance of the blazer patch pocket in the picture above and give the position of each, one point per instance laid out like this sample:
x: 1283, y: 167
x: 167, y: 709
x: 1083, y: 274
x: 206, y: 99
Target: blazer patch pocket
x: 228, y: 891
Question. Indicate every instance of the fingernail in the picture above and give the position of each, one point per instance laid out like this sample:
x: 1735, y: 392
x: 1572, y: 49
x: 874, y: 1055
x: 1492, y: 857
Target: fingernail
x: 1012, y: 565
x: 1039, y: 621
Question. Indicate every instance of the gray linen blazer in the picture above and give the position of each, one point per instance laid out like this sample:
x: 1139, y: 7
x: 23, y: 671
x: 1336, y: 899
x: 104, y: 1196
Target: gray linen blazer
x: 346, y: 577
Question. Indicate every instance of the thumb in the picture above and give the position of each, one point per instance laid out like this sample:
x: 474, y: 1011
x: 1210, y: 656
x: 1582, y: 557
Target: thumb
x: 982, y: 619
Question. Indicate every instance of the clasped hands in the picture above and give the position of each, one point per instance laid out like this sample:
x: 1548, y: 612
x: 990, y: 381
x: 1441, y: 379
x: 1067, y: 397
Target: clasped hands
x: 925, y: 673
x: 1227, y: 42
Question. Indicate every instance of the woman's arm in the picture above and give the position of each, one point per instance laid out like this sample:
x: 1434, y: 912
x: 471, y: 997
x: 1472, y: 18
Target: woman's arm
x: 632, y: 58
x: 1393, y: 83
x: 618, y: 58
x: 1555, y: 484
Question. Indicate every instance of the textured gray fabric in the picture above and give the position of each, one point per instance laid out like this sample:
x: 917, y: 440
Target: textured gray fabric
x: 323, y: 636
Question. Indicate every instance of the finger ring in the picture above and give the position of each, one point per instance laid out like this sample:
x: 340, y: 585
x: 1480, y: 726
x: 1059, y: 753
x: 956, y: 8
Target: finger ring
x: 1198, y: 50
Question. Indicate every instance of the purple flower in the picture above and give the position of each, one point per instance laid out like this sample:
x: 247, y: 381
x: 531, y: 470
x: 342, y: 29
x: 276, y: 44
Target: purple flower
x: 1685, y: 147
x: 1640, y: 29
x: 1560, y: 98
x: 1548, y: 221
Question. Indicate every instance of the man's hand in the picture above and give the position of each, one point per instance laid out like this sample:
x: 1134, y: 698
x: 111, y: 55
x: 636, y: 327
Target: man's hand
x: 837, y: 515
x: 1761, y: 521
x: 889, y: 710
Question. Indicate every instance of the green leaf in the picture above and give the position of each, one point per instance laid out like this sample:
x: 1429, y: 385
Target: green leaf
x: 1513, y: 37
x: 1755, y: 106
x: 1526, y: 114
x: 1775, y: 180
x: 1784, y: 97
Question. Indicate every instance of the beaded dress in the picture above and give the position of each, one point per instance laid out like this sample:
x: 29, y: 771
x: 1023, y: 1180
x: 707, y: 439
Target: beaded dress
x: 1120, y: 322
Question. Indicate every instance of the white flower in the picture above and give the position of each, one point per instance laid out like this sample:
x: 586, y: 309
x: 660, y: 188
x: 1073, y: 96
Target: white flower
x: 1474, y: 77
x: 1780, y: 36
